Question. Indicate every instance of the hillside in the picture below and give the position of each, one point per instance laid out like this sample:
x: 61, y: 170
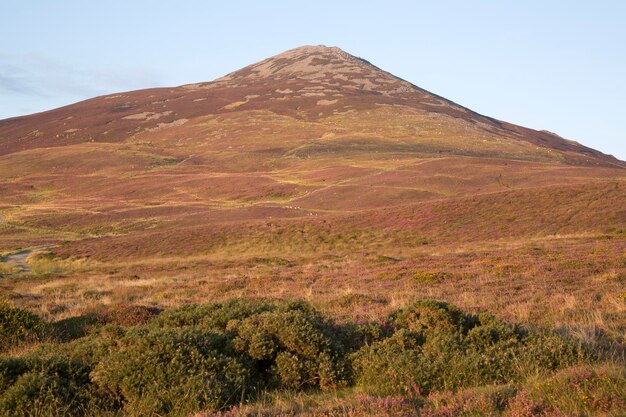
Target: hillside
x: 345, y: 97
x: 312, y: 175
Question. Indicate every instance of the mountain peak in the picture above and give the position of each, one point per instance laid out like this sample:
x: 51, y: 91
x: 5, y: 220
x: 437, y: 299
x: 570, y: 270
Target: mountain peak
x: 319, y: 54
x: 305, y: 61
x: 314, y: 49
x: 330, y: 67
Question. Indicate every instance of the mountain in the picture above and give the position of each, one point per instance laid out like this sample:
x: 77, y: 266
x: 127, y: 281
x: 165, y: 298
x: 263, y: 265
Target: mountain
x: 315, y: 142
x: 325, y: 217
x: 309, y: 83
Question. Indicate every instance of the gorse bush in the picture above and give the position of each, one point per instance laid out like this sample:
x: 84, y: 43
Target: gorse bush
x: 438, y: 347
x: 209, y: 357
x: 48, y: 384
x: 18, y: 326
x: 290, y: 348
x: 217, y: 316
x: 433, y: 316
x: 160, y: 371
x: 287, y: 344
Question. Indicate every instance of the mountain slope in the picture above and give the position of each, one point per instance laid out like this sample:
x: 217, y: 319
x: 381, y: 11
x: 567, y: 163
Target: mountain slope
x: 311, y: 83
x: 312, y: 174
x: 310, y: 134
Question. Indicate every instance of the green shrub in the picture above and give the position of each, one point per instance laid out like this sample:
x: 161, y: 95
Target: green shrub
x: 10, y: 370
x: 438, y: 347
x: 354, y: 336
x: 48, y: 385
x: 93, y: 348
x: 492, y: 332
x: 434, y: 316
x: 208, y: 357
x: 544, y: 352
x: 290, y: 348
x: 287, y: 343
x: 18, y: 326
x: 172, y: 372
x: 390, y: 366
x: 217, y: 315
x: 428, y: 350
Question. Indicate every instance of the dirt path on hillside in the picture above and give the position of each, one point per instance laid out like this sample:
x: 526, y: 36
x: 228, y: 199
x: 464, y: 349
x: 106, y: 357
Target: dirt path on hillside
x: 18, y: 259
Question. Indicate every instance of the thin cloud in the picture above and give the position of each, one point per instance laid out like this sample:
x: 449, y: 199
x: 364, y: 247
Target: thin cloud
x: 38, y: 76
x: 16, y: 85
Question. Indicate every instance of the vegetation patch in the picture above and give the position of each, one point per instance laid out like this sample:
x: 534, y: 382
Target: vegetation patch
x: 131, y: 360
x: 45, y: 264
x: 431, y: 277
x: 354, y: 300
x: 18, y: 326
x: 7, y: 270
x: 127, y: 315
x: 583, y: 390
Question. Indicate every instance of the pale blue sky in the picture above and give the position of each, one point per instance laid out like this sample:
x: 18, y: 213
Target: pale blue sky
x: 555, y: 65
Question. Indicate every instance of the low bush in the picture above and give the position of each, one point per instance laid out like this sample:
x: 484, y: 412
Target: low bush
x: 438, y: 347
x: 48, y: 385
x: 133, y: 361
x: 390, y: 366
x: 290, y: 349
x: 545, y: 352
x: 164, y: 371
x: 433, y: 316
x: 287, y: 343
x: 217, y: 316
x: 18, y: 326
